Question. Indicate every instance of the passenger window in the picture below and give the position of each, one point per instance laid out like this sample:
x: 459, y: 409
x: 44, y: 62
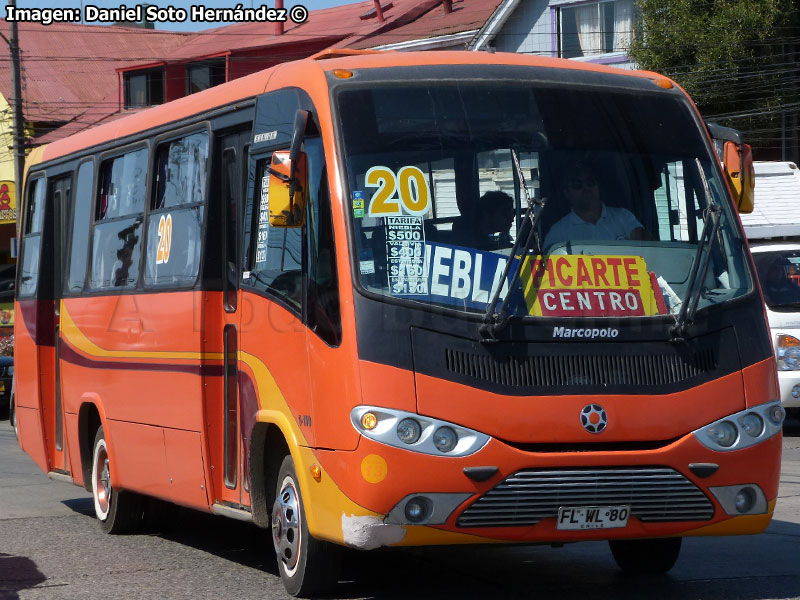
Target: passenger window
x: 175, y: 222
x: 81, y: 222
x: 123, y: 181
x: 181, y: 170
x: 277, y: 253
x: 32, y: 240
x: 116, y: 245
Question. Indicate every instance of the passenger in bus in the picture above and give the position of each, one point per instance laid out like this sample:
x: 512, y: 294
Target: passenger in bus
x: 488, y: 229
x: 590, y: 218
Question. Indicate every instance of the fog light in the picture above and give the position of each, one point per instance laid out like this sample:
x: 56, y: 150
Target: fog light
x: 776, y: 414
x: 752, y: 424
x: 369, y: 421
x: 408, y: 431
x: 724, y: 433
x: 418, y: 509
x: 745, y: 499
x: 445, y: 439
x: 796, y: 391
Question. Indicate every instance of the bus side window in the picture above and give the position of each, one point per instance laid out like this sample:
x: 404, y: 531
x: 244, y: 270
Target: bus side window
x: 81, y: 222
x: 175, y: 221
x: 323, y: 282
x: 32, y: 238
x: 116, y: 245
x: 276, y: 254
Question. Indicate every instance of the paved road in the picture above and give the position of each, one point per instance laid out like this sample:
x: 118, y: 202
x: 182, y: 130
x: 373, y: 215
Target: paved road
x: 52, y: 548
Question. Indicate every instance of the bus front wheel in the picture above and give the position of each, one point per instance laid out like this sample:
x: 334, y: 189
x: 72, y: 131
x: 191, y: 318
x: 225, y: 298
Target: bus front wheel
x: 307, y: 566
x: 646, y: 556
x: 118, y: 511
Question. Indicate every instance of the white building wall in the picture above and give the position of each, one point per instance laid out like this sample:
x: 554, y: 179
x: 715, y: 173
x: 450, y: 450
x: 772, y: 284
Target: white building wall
x: 528, y: 30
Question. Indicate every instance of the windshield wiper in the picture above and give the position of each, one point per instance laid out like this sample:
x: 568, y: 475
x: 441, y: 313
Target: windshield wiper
x: 496, y: 321
x: 698, y: 273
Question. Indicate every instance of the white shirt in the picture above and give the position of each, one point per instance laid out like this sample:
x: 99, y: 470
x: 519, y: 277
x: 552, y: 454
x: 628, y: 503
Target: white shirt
x: 614, y: 224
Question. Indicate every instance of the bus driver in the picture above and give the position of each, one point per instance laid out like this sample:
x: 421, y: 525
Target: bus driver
x: 590, y: 218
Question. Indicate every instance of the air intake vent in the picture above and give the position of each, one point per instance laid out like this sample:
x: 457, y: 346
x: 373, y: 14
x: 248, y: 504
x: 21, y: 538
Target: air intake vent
x: 582, y: 370
x: 655, y: 494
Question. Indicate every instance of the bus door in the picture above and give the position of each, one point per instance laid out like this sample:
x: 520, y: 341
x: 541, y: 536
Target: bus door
x: 59, y: 198
x: 228, y: 447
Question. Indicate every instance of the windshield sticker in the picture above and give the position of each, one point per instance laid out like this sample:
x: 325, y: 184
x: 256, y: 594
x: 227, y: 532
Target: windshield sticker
x: 263, y: 221
x: 458, y: 276
x: 405, y: 256
x: 358, y: 204
x: 366, y: 262
x: 590, y: 286
x: 403, y: 193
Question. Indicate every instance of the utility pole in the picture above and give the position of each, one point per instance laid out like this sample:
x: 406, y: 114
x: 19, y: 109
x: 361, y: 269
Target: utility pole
x: 19, y: 123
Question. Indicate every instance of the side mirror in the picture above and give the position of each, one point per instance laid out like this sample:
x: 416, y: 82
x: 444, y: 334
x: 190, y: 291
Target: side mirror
x: 737, y: 162
x: 738, y: 165
x: 287, y: 189
x: 288, y: 182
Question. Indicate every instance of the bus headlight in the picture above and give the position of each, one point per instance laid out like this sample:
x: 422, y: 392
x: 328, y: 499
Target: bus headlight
x: 409, y: 431
x: 752, y: 424
x: 787, y: 351
x: 743, y: 429
x: 416, y: 433
x: 445, y: 439
x: 724, y: 433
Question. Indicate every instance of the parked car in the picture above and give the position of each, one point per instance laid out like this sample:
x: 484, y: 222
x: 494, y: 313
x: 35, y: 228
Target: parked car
x: 778, y: 266
x: 6, y: 377
x: 774, y: 234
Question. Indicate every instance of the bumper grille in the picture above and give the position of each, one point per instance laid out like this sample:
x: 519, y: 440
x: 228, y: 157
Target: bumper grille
x: 655, y: 494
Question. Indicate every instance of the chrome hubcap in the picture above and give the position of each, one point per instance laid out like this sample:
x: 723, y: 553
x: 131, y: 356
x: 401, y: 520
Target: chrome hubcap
x: 286, y: 526
x: 103, y: 488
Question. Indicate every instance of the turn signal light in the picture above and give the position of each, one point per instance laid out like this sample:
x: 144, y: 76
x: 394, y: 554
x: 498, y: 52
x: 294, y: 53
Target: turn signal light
x: 369, y: 421
x: 342, y: 73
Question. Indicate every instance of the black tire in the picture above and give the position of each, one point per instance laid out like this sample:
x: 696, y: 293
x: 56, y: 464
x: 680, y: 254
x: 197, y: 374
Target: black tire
x: 307, y: 566
x: 119, y: 511
x: 648, y: 557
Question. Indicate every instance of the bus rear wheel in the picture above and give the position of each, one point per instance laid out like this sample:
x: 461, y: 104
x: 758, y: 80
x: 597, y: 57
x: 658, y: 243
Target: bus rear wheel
x: 648, y: 557
x: 307, y: 566
x: 118, y: 511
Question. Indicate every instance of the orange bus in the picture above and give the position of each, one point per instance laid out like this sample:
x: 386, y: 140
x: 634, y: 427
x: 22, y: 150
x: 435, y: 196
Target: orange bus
x: 402, y: 299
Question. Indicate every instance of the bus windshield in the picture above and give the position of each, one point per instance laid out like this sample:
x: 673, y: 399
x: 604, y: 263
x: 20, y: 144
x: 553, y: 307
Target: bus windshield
x: 441, y: 174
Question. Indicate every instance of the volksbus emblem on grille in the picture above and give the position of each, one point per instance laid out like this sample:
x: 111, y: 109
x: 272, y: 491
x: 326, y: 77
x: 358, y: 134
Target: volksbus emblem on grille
x: 594, y: 418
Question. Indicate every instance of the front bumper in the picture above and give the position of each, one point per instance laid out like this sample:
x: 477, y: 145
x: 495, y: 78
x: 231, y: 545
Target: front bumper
x: 380, y: 479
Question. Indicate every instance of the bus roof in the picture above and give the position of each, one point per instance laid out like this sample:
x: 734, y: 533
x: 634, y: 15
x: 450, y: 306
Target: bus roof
x: 303, y: 70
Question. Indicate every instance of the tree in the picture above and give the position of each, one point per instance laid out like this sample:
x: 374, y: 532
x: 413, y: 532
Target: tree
x: 736, y: 58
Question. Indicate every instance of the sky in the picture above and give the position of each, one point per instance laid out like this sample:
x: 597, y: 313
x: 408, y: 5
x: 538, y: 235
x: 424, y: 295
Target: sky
x: 185, y: 4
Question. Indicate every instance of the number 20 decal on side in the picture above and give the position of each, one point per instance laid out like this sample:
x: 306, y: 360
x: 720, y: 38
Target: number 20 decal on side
x: 403, y: 193
x: 164, y: 239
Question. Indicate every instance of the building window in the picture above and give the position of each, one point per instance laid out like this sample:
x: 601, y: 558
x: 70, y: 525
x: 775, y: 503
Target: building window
x: 595, y: 28
x: 204, y: 74
x: 144, y: 88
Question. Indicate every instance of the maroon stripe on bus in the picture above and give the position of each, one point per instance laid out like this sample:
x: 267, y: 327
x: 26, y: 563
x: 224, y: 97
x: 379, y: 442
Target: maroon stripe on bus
x: 39, y: 318
x: 70, y: 355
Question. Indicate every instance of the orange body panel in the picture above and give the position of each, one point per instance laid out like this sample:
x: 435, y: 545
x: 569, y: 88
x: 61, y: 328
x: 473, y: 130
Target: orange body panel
x: 556, y: 419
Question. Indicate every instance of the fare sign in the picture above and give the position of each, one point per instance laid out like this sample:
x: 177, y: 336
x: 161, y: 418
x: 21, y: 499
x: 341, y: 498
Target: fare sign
x: 590, y: 286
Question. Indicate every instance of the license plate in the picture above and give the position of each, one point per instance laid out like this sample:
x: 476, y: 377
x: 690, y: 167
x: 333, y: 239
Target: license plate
x: 593, y: 517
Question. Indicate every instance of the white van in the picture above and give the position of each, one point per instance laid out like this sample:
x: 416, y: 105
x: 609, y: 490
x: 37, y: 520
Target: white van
x: 773, y: 230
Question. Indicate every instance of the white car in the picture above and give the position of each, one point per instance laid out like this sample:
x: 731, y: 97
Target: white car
x: 778, y: 266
